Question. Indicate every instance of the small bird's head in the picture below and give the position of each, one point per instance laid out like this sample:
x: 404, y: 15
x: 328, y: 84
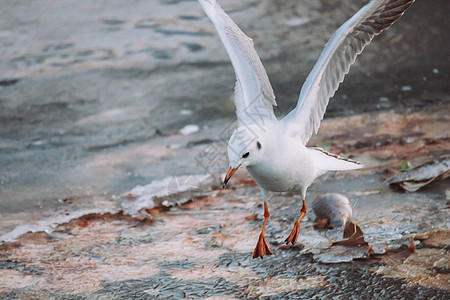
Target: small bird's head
x: 245, y: 148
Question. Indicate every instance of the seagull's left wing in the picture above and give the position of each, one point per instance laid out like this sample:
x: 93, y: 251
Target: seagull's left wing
x: 339, y: 54
x: 254, y: 97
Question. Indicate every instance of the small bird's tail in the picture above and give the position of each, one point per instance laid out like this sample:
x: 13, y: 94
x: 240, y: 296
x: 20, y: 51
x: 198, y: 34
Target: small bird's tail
x: 327, y: 161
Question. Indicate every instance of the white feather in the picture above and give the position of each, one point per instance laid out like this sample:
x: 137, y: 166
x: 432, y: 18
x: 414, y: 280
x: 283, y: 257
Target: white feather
x: 326, y: 161
x: 254, y: 96
x: 334, y: 63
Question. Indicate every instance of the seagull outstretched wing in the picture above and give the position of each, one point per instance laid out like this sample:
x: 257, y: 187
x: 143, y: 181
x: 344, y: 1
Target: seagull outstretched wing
x: 334, y: 63
x: 254, y: 97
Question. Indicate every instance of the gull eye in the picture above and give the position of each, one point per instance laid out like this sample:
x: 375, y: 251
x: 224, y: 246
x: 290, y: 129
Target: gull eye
x: 245, y: 155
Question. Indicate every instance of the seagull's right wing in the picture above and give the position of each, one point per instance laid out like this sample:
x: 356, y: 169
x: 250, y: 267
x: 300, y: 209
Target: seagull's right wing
x: 254, y: 97
x: 339, y: 54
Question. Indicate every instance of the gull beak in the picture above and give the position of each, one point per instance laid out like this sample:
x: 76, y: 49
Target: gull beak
x: 230, y: 173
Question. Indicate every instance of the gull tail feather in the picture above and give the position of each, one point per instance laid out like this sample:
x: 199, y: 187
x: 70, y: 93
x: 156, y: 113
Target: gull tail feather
x: 327, y: 161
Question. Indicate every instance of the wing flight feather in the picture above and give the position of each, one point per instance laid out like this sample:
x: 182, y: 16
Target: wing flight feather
x: 254, y: 97
x: 335, y: 60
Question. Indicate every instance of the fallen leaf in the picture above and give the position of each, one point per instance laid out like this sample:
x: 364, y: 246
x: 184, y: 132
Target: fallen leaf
x: 414, y: 179
x: 353, y: 236
x: 406, y: 165
x: 251, y: 218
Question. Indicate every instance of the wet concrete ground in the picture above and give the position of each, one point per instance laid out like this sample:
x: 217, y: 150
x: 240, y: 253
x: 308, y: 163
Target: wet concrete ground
x: 203, y: 249
x: 88, y: 114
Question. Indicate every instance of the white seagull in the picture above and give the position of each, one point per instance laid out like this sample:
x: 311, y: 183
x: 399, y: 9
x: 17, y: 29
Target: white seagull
x: 274, y: 151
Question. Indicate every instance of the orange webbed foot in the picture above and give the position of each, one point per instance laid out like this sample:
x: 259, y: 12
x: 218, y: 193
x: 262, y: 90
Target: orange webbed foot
x: 292, y: 238
x: 261, y: 248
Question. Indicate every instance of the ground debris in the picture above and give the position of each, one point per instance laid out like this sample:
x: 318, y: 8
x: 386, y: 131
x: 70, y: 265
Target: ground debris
x: 427, y: 265
x: 420, y: 176
x: 353, y: 237
x: 433, y: 238
x: 207, y: 245
x: 168, y: 192
x: 351, y: 247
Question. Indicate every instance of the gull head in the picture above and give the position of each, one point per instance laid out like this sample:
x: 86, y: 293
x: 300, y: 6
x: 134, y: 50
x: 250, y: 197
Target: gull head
x: 245, y: 148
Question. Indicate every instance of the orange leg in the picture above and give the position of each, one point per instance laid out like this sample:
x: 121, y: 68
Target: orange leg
x: 261, y: 248
x: 292, y: 238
